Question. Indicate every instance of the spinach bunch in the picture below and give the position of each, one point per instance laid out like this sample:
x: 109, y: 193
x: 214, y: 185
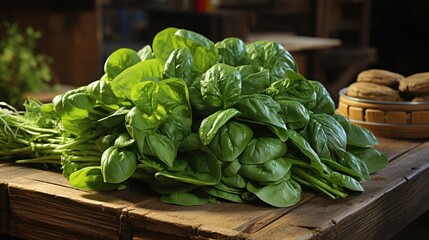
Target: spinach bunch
x: 200, y: 122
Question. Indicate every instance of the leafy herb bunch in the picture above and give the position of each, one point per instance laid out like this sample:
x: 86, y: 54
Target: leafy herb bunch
x: 22, y: 70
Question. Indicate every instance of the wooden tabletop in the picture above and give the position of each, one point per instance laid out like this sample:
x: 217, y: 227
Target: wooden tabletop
x: 40, y: 204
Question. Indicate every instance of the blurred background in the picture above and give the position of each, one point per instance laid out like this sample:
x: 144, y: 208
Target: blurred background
x: 332, y: 40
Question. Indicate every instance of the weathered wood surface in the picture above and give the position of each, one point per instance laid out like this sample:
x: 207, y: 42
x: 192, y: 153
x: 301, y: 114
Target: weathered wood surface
x: 38, y: 204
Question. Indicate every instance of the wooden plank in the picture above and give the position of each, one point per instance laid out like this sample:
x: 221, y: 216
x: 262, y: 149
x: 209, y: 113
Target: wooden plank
x: 4, y: 201
x: 4, y: 209
x: 341, y: 219
x: 393, y: 148
x: 379, y: 212
x: 213, y: 221
x: 210, y: 221
x: 417, y: 177
x: 9, y: 171
x: 44, y: 206
x: 417, y: 200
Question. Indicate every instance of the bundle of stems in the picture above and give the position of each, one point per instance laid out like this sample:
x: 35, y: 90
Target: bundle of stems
x: 25, y: 140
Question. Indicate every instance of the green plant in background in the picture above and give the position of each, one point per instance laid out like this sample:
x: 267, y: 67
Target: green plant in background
x: 22, y: 70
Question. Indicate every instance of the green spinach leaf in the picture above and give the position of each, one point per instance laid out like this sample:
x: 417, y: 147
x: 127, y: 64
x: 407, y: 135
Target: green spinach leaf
x: 284, y: 194
x: 373, y: 158
x: 324, y: 102
x: 270, y: 171
x: 210, y: 125
x: 294, y: 114
x: 272, y: 56
x: 262, y: 149
x: 179, y: 65
x: 254, y: 79
x: 123, y: 83
x: 90, y: 178
x: 221, y: 86
x: 260, y: 108
x: 230, y: 141
x: 203, y: 50
x: 117, y: 165
x: 120, y: 60
x: 232, y: 51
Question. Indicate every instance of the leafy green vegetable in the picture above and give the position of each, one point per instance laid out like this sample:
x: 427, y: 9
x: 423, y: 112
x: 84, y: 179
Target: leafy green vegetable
x: 230, y: 176
x: 356, y: 135
x: 232, y: 197
x: 294, y: 114
x: 163, y: 44
x: 74, y: 104
x: 360, y: 137
x: 221, y: 86
x: 349, y: 160
x: 117, y: 165
x: 101, y: 91
x: 272, y: 56
x: 207, y: 173
x: 324, y: 102
x: 90, y: 178
x: 230, y: 141
x: 270, y: 171
x: 262, y: 149
x: 120, y: 60
x: 123, y: 83
x: 198, y: 123
x: 146, y: 53
x: 325, y: 135
x: 179, y: 65
x: 373, y: 158
x: 203, y: 50
x: 260, y: 108
x: 254, y: 79
x: 284, y: 194
x: 304, y: 147
x: 211, y: 124
x: 294, y: 87
x: 232, y: 51
x: 144, y: 95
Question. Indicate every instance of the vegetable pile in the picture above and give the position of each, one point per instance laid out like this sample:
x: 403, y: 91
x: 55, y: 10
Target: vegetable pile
x: 199, y: 122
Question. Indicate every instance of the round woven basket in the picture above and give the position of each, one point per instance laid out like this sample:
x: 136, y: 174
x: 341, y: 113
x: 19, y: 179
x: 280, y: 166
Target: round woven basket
x: 386, y: 119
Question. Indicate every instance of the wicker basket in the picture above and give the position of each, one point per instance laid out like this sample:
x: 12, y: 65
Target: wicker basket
x: 387, y: 119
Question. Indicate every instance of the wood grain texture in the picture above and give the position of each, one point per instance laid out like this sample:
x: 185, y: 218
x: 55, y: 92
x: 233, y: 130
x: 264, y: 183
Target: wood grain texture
x: 41, y: 205
x: 378, y: 213
x: 45, y: 203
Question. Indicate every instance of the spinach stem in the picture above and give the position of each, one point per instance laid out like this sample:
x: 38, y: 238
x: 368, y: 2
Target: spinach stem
x: 317, y: 182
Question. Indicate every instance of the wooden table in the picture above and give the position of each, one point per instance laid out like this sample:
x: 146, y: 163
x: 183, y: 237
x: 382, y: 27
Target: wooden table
x: 40, y: 204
